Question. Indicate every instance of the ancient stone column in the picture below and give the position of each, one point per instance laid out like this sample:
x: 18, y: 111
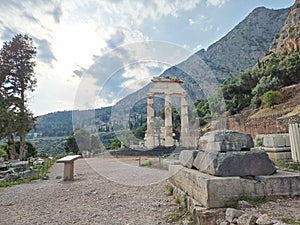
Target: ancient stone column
x: 294, y: 133
x: 150, y: 122
x: 184, y: 134
x: 169, y: 141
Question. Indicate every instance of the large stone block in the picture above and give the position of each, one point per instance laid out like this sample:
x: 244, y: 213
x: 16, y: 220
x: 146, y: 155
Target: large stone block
x: 276, y: 140
x: 212, y: 191
x: 240, y: 163
x: 187, y: 157
x: 225, y: 140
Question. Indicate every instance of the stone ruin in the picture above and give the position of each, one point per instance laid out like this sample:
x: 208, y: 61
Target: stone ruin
x: 15, y: 170
x: 227, y: 153
x: 167, y: 86
x: 277, y: 146
x: 225, y: 169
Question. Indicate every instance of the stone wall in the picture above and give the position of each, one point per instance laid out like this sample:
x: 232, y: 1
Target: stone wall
x: 269, y: 121
x: 254, y: 126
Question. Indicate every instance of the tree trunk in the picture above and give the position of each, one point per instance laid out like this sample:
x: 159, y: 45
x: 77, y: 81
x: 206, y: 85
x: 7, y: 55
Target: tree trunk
x: 23, y: 148
x: 11, y: 147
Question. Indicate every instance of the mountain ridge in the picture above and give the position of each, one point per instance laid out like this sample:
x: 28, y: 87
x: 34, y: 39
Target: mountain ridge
x: 205, y: 70
x: 233, y: 53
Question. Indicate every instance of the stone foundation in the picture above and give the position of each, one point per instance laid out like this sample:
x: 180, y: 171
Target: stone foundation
x: 277, y: 154
x: 277, y: 146
x: 215, y: 192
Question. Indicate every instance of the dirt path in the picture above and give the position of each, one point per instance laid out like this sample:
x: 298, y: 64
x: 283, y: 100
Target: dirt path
x: 90, y: 198
x: 108, y: 191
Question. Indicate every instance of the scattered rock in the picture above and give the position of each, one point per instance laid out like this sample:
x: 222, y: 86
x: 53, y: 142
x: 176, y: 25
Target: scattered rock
x: 247, y: 219
x: 244, y: 205
x: 232, y: 213
x: 45, y: 177
x: 208, y: 216
x: 264, y: 220
x: 186, y: 222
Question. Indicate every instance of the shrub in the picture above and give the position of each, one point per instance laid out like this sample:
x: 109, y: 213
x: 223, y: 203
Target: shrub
x: 271, y: 98
x: 170, y: 189
x: 2, y: 152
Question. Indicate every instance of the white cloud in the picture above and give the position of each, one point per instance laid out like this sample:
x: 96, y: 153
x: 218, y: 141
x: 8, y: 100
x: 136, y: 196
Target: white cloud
x: 216, y: 3
x: 76, y: 35
x: 140, y: 74
x: 198, y: 47
x: 191, y: 21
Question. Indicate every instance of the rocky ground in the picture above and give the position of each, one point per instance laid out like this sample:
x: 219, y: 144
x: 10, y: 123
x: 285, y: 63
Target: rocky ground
x: 106, y: 192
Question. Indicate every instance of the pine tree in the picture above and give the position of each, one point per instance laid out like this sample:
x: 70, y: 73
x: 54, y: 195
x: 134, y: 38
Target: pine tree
x: 17, y: 77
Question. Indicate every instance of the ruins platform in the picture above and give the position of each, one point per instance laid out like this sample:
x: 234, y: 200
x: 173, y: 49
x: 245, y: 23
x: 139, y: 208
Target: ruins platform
x: 213, y: 192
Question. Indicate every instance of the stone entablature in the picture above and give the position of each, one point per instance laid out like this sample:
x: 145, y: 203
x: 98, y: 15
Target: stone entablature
x: 168, y: 79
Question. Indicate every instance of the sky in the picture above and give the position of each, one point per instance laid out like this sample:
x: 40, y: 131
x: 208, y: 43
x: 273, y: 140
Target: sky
x: 92, y: 53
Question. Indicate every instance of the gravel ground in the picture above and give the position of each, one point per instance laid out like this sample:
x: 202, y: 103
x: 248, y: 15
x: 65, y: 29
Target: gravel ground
x: 90, y: 198
x: 108, y: 191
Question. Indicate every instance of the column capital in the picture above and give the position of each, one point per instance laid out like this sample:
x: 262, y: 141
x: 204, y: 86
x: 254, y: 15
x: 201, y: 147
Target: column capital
x: 150, y: 95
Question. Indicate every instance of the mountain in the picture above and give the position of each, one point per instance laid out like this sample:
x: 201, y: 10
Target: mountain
x: 239, y: 50
x: 276, y: 120
x: 288, y: 38
x: 202, y: 72
x: 61, y: 124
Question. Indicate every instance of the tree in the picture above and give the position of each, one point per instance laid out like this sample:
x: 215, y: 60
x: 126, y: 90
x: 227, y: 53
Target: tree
x: 117, y: 143
x: 71, y: 144
x: 83, y: 139
x: 17, y: 78
x: 95, y: 143
x: 79, y: 141
x: 271, y: 98
x: 140, y: 132
x: 8, y: 127
x: 32, y: 151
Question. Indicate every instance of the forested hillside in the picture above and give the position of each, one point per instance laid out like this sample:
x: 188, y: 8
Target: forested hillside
x: 60, y: 124
x: 279, y: 68
x: 54, y: 124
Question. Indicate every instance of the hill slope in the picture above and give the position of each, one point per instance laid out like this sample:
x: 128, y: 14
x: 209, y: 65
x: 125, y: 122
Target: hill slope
x: 275, y: 120
x: 269, y: 120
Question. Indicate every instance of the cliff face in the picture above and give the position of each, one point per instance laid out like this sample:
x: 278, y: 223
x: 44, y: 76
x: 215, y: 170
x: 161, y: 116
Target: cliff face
x: 288, y: 38
x: 245, y: 44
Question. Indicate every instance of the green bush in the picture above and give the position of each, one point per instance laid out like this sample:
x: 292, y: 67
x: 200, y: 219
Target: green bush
x: 271, y: 98
x: 2, y: 152
x: 170, y: 189
x: 32, y: 151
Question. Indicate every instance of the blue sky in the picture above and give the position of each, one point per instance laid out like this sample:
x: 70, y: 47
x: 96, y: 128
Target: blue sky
x: 85, y: 47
